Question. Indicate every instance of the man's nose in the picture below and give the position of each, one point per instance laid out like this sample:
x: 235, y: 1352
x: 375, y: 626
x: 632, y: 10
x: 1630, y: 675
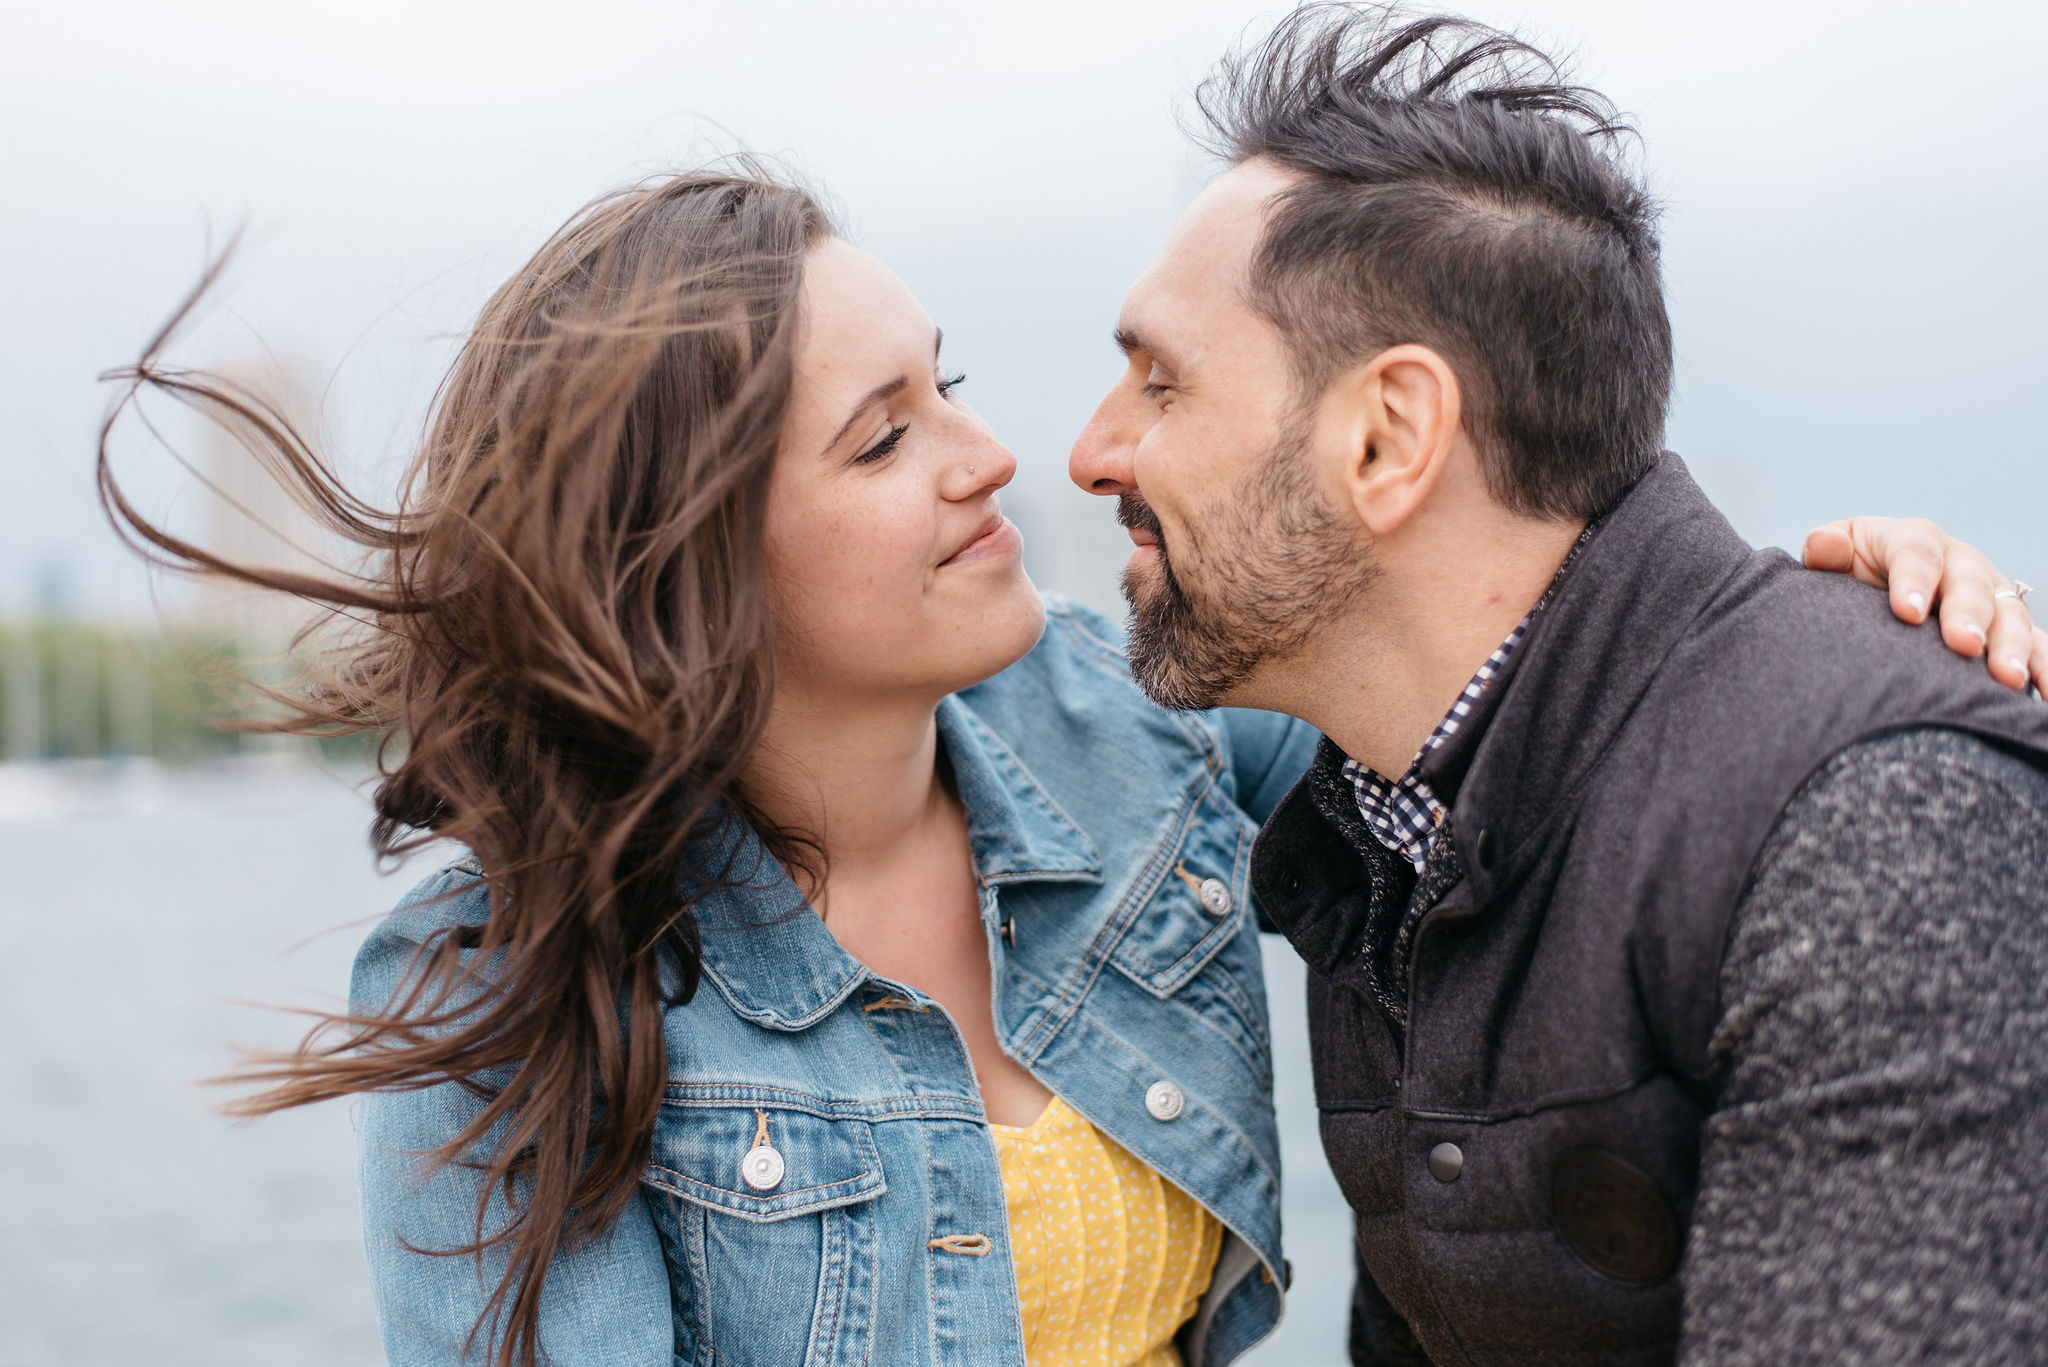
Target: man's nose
x: 1101, y: 459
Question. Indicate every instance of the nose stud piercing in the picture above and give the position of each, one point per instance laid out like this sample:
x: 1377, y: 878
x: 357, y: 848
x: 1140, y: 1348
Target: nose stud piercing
x: 970, y: 469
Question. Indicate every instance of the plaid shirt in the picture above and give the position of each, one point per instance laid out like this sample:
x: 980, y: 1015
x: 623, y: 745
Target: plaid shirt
x: 1402, y: 813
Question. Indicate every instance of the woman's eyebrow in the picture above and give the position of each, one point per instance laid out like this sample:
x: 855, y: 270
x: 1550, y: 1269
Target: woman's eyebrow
x: 888, y: 389
x: 874, y: 396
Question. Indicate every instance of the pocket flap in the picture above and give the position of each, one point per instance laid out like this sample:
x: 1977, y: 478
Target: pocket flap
x: 700, y: 1150
x: 1197, y: 908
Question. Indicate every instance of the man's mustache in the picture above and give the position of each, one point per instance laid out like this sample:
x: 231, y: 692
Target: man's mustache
x: 1134, y: 512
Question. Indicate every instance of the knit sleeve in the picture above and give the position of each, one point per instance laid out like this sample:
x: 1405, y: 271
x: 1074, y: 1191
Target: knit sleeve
x: 1874, y: 1174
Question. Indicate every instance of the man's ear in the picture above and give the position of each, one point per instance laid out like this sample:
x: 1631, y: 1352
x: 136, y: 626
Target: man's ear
x: 1406, y: 414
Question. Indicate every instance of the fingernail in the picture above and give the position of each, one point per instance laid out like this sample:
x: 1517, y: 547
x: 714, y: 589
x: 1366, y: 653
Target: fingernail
x: 1973, y: 629
x: 2019, y: 667
x: 1917, y: 602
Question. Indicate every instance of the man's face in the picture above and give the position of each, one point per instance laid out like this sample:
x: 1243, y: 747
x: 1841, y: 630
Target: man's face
x: 1242, y: 548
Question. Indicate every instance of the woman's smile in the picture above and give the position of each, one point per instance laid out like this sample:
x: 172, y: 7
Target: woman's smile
x: 996, y: 538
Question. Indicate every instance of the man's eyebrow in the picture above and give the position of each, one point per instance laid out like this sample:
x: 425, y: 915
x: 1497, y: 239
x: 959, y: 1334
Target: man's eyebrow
x: 886, y: 390
x: 1128, y: 339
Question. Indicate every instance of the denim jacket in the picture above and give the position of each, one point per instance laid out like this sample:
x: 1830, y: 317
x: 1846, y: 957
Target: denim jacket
x: 1112, y: 843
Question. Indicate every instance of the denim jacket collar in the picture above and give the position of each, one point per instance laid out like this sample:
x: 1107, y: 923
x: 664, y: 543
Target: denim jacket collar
x: 1018, y: 832
x: 770, y: 956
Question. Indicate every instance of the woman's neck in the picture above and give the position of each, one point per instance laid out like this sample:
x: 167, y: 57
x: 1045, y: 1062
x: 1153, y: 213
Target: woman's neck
x: 861, y: 777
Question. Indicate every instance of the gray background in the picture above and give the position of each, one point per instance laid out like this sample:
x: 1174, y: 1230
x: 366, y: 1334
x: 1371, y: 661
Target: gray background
x: 1855, y: 193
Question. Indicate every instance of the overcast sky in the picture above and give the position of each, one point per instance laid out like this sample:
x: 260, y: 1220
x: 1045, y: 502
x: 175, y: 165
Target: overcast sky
x: 1853, y: 235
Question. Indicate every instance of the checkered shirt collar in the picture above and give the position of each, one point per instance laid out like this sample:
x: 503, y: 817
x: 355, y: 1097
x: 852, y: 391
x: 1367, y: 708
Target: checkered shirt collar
x: 1403, y: 813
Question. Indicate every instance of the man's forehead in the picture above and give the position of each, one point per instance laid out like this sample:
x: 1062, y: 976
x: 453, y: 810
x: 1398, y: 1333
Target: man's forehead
x: 1198, y: 276
x: 1217, y: 234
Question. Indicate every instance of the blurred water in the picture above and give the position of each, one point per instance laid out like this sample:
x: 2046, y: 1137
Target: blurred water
x: 139, y: 910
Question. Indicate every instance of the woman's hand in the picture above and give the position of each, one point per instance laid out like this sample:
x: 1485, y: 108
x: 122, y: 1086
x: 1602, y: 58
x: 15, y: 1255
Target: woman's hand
x: 1923, y: 566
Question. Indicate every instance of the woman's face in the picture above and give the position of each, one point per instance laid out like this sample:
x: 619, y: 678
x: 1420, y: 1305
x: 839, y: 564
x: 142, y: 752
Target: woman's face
x: 893, y: 568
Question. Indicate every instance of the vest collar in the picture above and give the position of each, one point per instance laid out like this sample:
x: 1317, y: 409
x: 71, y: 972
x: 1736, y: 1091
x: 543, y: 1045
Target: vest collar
x: 770, y: 956
x: 1651, y: 567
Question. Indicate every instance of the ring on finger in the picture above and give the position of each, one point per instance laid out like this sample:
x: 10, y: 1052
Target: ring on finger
x: 2017, y: 591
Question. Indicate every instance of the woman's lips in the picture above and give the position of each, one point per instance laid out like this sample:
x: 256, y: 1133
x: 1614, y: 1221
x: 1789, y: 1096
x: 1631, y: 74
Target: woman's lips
x: 1002, y: 538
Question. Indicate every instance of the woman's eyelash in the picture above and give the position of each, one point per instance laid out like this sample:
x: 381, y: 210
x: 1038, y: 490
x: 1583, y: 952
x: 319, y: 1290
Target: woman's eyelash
x: 882, y: 447
x: 1153, y: 391
x: 888, y: 443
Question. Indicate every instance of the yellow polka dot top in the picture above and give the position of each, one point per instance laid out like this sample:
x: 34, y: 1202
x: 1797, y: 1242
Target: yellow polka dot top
x: 1111, y: 1259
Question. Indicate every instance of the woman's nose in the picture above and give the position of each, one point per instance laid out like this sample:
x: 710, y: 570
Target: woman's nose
x: 980, y: 467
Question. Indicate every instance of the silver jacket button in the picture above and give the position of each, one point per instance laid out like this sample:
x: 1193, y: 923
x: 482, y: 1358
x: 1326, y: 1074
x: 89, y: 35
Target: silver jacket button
x: 762, y: 1168
x: 1215, y: 896
x: 1164, y: 1100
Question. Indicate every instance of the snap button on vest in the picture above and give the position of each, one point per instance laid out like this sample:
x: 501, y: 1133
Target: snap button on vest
x: 1613, y: 1216
x: 1164, y: 1100
x: 1483, y: 848
x: 1215, y: 896
x: 1446, y: 1161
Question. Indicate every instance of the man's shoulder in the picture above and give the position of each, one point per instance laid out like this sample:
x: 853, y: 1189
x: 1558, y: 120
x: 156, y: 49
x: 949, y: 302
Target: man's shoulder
x: 1774, y: 614
x: 1945, y: 772
x: 1904, y: 882
x: 1930, y: 808
x: 1783, y: 675
x: 1784, y: 672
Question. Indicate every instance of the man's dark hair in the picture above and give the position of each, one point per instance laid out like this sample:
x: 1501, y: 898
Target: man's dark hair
x: 1460, y: 194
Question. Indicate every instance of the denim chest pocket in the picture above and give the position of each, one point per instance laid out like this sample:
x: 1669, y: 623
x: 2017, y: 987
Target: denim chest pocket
x: 1197, y: 907
x: 1190, y: 943
x: 768, y: 1225
x: 701, y: 1154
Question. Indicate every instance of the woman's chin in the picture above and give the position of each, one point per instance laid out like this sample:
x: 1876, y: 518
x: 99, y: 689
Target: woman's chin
x: 1008, y: 626
x: 994, y: 630
x: 950, y: 646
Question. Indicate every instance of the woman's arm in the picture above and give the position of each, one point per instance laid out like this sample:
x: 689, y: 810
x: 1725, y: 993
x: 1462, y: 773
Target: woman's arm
x: 1268, y: 752
x: 605, y: 1304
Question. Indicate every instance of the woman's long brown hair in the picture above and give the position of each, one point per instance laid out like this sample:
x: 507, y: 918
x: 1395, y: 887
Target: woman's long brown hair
x: 561, y: 634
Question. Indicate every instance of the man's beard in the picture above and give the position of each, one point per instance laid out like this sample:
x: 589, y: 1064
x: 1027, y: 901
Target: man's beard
x: 1269, y: 568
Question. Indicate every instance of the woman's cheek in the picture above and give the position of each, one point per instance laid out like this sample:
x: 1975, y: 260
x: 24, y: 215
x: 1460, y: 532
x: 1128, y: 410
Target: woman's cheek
x: 817, y: 577
x: 852, y: 563
x: 876, y: 565
x: 892, y: 543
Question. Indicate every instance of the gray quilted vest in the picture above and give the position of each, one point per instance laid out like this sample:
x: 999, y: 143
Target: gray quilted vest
x: 1612, y: 791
